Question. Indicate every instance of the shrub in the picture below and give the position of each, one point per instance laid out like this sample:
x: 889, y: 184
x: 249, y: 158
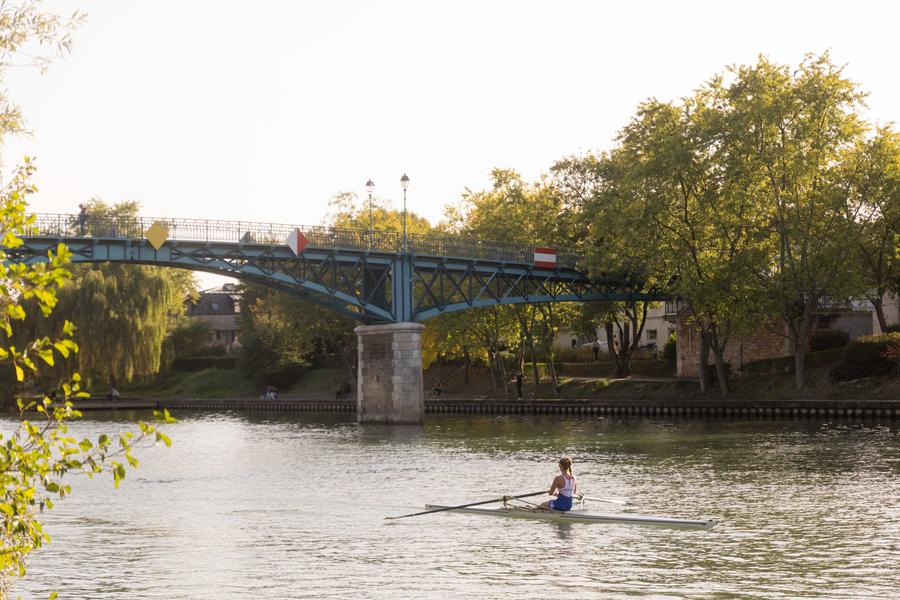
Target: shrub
x: 865, y: 357
x: 670, y: 349
x: 893, y: 328
x: 786, y: 364
x: 189, y: 337
x: 828, y: 339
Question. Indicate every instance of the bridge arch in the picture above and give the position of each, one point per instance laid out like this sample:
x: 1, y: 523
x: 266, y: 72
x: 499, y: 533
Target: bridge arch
x: 369, y: 277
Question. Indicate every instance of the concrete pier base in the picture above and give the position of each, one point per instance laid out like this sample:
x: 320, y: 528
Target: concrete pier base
x: 389, y: 382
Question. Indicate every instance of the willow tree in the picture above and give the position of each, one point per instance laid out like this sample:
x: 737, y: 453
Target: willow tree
x: 124, y: 315
x: 127, y: 311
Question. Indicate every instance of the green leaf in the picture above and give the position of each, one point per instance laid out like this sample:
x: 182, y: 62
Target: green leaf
x: 47, y: 356
x: 62, y: 349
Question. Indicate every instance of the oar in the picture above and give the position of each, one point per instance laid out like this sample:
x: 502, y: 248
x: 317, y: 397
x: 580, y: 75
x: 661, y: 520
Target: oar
x: 501, y: 499
x: 607, y: 500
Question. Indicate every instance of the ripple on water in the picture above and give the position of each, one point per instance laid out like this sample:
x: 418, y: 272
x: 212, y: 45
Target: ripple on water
x: 292, y: 506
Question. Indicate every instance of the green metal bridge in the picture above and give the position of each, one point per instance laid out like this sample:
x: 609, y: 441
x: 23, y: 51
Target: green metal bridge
x: 371, y: 277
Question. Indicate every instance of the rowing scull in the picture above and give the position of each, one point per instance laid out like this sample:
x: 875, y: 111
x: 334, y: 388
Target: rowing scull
x: 580, y: 516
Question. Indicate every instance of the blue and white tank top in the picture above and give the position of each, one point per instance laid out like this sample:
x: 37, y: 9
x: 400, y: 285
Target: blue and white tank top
x: 568, y: 488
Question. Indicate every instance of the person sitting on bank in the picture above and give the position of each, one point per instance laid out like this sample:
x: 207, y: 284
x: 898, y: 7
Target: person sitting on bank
x: 563, y: 487
x: 114, y: 394
x: 438, y: 390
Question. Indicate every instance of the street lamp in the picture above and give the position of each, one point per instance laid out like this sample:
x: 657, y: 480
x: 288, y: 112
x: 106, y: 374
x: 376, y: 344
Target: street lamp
x: 404, y: 183
x: 370, y: 187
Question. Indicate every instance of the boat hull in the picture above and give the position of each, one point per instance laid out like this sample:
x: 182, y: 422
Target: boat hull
x: 582, y: 516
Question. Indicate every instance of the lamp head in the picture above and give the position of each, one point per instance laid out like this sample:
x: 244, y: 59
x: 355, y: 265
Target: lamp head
x: 404, y: 181
x: 370, y: 186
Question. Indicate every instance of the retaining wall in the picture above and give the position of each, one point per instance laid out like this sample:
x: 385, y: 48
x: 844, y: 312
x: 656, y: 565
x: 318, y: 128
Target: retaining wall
x: 810, y: 409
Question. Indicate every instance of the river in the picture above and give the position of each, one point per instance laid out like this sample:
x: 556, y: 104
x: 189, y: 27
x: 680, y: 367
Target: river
x: 291, y: 506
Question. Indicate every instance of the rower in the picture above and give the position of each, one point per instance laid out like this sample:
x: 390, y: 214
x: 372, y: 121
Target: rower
x: 563, y: 487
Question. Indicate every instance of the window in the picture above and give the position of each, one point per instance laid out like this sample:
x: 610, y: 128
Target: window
x: 651, y: 335
x: 214, y: 305
x: 218, y: 335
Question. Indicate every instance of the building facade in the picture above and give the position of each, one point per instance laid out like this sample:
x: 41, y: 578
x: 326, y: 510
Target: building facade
x: 220, y: 308
x: 657, y: 330
x: 857, y: 319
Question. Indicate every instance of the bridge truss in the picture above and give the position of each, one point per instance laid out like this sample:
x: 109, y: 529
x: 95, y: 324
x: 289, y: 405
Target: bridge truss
x: 370, y: 277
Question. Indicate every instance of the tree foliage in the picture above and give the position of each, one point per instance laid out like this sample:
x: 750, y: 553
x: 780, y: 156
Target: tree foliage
x: 36, y: 457
x: 511, y: 210
x: 748, y: 200
x: 872, y: 169
x: 125, y: 311
x: 282, y: 334
x: 189, y: 337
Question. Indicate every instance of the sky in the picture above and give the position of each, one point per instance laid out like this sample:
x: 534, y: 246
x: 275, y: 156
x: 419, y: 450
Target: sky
x: 264, y: 110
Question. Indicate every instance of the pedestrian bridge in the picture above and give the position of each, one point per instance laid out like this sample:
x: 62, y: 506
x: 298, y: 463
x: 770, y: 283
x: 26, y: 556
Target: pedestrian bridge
x: 373, y: 277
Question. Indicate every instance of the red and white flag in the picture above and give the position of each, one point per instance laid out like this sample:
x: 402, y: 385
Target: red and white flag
x: 297, y: 241
x: 545, y: 258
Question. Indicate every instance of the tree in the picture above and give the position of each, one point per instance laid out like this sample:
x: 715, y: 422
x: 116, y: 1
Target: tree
x: 126, y: 311
x: 189, y: 336
x: 281, y: 334
x: 682, y: 169
x: 791, y: 129
x: 873, y: 171
x: 348, y: 213
x: 512, y: 210
x: 610, y: 223
x: 36, y: 457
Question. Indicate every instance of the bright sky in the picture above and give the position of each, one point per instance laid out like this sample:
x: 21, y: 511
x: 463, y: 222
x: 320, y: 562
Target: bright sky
x: 264, y: 110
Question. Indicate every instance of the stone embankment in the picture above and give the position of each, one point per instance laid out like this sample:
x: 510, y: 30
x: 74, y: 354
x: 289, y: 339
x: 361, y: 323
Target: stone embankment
x: 764, y: 409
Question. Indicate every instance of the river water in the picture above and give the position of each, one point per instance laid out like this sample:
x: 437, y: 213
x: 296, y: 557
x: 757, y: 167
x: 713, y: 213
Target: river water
x: 291, y: 506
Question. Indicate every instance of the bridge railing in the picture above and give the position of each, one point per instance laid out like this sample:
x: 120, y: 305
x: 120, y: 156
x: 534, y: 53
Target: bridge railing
x: 204, y: 230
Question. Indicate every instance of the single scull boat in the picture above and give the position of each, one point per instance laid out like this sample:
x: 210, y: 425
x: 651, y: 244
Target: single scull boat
x: 579, y: 516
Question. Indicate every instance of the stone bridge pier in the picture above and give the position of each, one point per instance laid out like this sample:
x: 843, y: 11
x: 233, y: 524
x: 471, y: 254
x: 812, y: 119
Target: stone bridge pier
x: 389, y: 382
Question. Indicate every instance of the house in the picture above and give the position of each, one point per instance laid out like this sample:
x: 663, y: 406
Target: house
x: 857, y: 319
x: 657, y: 330
x: 891, y: 305
x: 220, y: 308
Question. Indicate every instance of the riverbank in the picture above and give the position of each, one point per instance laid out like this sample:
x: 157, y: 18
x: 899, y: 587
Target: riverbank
x: 650, y: 381
x: 728, y: 409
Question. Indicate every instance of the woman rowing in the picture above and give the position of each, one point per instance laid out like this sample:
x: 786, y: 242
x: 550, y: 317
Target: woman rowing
x: 563, y: 487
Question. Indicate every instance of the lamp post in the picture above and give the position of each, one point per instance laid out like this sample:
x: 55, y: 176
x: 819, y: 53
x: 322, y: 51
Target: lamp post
x: 404, y: 183
x: 370, y: 187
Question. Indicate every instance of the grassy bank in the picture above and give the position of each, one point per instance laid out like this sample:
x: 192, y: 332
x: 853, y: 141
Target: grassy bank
x: 576, y: 380
x: 229, y: 383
